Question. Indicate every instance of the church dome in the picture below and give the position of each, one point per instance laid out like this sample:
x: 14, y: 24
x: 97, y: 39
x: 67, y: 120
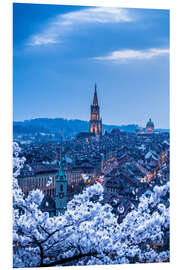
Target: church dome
x: 150, y: 123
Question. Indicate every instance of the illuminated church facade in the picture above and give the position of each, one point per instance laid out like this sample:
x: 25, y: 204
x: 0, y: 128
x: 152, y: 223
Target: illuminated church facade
x: 95, y: 123
x: 150, y: 126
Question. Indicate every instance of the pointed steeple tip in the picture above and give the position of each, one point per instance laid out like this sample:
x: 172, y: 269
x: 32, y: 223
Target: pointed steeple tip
x: 95, y: 100
x: 61, y: 171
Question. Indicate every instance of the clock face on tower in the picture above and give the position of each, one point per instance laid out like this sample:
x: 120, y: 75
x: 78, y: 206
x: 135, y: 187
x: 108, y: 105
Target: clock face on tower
x: 61, y: 195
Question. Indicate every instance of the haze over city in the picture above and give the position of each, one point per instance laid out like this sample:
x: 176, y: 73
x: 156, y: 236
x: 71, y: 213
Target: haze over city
x: 61, y: 51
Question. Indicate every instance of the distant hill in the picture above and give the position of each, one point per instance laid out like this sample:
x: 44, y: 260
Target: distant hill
x: 47, y: 125
x: 55, y: 125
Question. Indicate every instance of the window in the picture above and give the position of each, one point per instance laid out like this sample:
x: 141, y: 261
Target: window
x: 61, y: 188
x: 61, y: 195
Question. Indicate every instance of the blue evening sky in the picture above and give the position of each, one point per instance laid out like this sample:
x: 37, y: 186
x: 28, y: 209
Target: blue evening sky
x: 59, y: 52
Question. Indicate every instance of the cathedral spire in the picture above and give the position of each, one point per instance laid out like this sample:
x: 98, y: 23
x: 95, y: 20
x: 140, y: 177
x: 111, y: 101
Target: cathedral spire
x: 95, y: 99
x: 95, y: 124
x: 60, y: 172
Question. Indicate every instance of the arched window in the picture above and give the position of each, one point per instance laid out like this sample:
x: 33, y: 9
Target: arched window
x: 61, y: 187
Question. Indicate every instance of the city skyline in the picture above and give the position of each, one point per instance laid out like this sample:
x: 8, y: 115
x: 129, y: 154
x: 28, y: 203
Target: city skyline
x: 62, y: 51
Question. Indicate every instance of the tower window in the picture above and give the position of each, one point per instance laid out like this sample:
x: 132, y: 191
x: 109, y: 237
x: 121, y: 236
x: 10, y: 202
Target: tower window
x: 61, y: 187
x: 61, y: 195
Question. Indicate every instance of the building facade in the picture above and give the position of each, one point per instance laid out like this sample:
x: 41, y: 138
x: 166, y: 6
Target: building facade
x: 150, y: 126
x: 39, y: 180
x: 95, y: 124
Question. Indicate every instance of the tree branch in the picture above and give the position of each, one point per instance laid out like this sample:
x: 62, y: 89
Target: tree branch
x: 66, y: 260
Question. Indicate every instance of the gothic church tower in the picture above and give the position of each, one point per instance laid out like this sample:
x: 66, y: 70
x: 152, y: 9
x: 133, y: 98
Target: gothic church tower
x: 61, y: 188
x: 95, y: 124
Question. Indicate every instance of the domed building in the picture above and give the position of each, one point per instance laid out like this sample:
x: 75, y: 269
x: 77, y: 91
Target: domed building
x: 150, y: 126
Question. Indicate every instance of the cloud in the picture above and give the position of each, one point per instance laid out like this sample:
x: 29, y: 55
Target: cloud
x: 117, y: 56
x: 98, y: 15
x: 56, y: 29
x: 39, y: 40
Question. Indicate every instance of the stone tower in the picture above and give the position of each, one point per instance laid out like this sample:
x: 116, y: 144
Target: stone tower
x: 95, y: 124
x: 61, y: 188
